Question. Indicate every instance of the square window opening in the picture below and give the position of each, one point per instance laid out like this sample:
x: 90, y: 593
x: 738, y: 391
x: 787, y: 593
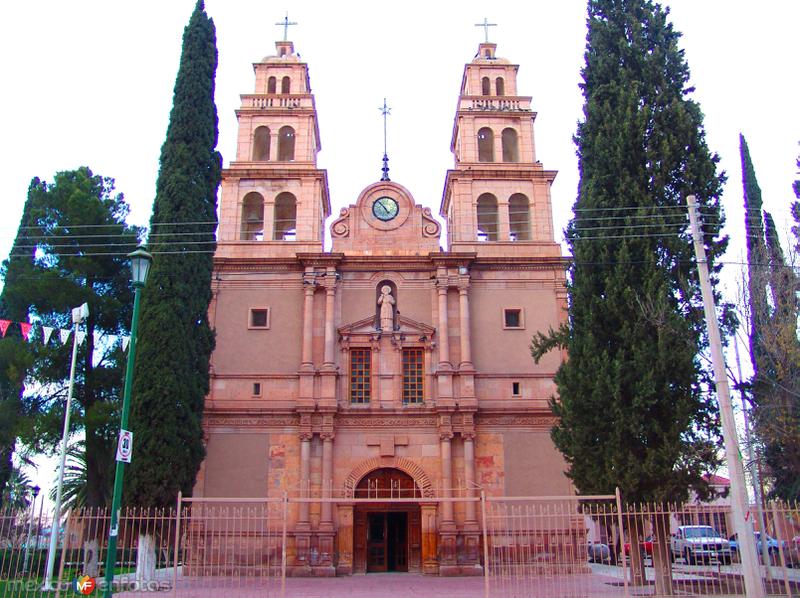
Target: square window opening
x: 512, y: 318
x: 259, y: 318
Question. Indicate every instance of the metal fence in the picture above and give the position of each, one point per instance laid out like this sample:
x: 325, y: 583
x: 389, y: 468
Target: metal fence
x: 530, y: 546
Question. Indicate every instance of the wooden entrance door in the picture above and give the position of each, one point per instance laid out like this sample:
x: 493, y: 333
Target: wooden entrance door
x: 386, y: 535
x: 387, y: 541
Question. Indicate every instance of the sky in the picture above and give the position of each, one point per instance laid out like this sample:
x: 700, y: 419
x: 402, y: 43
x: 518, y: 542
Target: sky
x: 90, y: 82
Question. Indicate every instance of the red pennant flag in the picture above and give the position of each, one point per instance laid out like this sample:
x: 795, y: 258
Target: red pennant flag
x: 26, y: 328
x: 4, y: 324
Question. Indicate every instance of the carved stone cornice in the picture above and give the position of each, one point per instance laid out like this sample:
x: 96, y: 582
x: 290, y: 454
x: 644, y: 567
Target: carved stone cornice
x: 387, y: 421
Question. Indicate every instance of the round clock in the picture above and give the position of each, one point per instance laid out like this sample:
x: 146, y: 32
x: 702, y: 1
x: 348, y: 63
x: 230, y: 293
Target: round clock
x: 385, y: 208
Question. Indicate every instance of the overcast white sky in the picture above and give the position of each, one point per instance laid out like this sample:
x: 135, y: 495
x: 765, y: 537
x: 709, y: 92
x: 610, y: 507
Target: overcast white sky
x: 89, y: 82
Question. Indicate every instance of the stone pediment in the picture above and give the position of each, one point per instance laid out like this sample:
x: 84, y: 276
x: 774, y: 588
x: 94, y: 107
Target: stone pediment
x: 405, y: 327
x: 385, y: 221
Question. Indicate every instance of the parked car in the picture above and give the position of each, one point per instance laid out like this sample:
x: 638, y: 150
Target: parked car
x: 695, y: 543
x: 598, y: 552
x: 646, y: 547
x: 791, y: 553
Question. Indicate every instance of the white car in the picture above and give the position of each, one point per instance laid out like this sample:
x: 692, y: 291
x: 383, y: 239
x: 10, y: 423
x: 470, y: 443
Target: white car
x: 695, y: 543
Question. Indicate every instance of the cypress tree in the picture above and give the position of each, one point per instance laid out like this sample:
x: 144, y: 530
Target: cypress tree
x: 175, y: 339
x: 632, y: 409
x: 757, y: 262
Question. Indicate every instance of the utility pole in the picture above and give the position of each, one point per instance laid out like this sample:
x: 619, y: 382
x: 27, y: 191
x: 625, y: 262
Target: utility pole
x: 748, y: 441
x: 743, y: 526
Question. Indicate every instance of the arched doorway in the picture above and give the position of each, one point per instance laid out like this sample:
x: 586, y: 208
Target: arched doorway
x: 387, y: 532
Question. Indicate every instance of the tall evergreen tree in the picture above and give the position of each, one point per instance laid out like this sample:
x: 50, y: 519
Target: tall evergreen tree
x: 14, y: 357
x: 175, y: 339
x: 756, y: 259
x: 777, y: 405
x: 633, y: 411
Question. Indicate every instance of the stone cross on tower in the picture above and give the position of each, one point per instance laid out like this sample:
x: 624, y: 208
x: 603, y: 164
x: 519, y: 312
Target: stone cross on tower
x: 486, y: 24
x: 386, y: 111
x: 286, y: 24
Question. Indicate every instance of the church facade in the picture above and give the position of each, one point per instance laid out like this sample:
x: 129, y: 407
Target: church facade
x: 396, y: 365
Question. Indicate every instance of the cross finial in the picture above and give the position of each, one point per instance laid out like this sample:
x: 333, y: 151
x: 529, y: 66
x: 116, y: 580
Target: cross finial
x: 385, y: 110
x: 486, y: 24
x: 285, y: 24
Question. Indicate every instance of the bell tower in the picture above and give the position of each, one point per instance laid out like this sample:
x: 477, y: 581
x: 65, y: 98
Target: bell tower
x: 496, y: 200
x: 274, y: 198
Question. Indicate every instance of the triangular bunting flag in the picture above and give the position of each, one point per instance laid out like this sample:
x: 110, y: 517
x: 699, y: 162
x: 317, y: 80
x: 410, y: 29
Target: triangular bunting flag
x: 4, y: 324
x: 80, y: 336
x: 64, y: 335
x: 47, y: 332
x: 125, y: 341
x: 26, y: 328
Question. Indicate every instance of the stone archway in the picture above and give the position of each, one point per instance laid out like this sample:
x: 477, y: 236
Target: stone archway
x: 405, y: 465
x: 355, y: 514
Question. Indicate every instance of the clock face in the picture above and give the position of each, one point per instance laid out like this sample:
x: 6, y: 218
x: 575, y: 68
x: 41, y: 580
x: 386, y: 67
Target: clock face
x: 385, y: 208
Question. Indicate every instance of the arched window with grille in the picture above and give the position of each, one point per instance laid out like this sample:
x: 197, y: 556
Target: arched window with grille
x: 286, y: 144
x: 272, y: 85
x: 519, y: 217
x: 487, y: 218
x: 500, y: 86
x: 485, y: 86
x: 252, y: 217
x: 285, y: 85
x: 261, y: 144
x: 285, y: 217
x: 485, y: 145
x: 510, y: 145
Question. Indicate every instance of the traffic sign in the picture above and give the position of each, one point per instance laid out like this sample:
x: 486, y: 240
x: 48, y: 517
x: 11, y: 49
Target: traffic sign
x: 125, y: 446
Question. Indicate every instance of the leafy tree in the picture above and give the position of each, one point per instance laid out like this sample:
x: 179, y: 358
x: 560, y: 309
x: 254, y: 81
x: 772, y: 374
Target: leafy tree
x: 76, y: 242
x: 175, y: 339
x: 633, y: 405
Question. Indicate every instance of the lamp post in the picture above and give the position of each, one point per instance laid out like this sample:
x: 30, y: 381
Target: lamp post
x: 35, y: 493
x: 79, y: 314
x: 140, y: 266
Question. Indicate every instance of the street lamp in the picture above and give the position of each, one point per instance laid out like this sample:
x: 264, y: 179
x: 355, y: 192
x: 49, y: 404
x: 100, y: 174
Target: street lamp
x: 79, y: 314
x: 140, y: 266
x: 35, y: 493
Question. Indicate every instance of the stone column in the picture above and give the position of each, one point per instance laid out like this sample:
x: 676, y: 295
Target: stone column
x: 326, y: 531
x: 444, y: 339
x: 326, y: 519
x: 330, y: 296
x: 302, y: 529
x: 504, y: 234
x: 430, y: 564
x: 445, y: 448
x: 305, y: 468
x: 308, y: 322
x: 464, y: 328
x: 344, y: 544
x: 469, y: 476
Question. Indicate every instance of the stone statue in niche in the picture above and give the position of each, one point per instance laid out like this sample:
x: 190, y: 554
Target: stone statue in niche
x: 386, y: 301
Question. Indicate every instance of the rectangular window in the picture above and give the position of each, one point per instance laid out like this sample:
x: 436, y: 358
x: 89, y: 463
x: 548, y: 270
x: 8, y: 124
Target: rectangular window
x: 413, y: 375
x: 515, y: 389
x: 259, y: 317
x: 256, y: 389
x: 512, y: 318
x: 360, y: 370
